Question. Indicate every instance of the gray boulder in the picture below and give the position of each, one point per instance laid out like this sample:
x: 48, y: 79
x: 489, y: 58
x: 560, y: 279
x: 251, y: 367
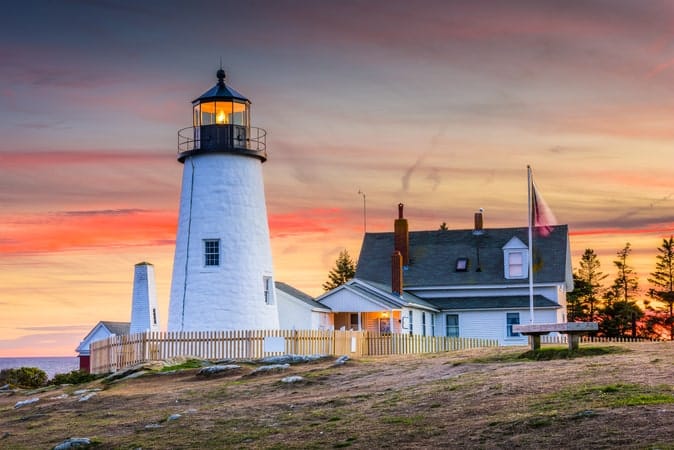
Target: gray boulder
x: 217, y: 369
x: 26, y: 402
x: 290, y: 359
x: 341, y: 360
x: 73, y: 442
x: 271, y: 368
x: 292, y: 379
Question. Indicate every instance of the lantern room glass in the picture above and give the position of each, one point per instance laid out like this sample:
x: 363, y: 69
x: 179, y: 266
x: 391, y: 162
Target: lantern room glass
x: 221, y: 113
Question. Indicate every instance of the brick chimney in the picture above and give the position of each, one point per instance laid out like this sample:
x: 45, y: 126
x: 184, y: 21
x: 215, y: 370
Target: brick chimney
x: 479, y: 223
x: 396, y: 273
x: 402, y: 236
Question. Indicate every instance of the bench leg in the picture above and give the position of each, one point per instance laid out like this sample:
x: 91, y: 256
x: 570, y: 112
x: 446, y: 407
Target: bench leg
x: 535, y: 341
x: 573, y: 339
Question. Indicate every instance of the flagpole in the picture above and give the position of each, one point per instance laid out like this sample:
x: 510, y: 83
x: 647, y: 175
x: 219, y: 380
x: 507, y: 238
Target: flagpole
x: 531, y: 246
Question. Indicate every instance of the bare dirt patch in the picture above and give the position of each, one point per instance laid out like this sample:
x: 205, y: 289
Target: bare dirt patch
x: 470, y: 399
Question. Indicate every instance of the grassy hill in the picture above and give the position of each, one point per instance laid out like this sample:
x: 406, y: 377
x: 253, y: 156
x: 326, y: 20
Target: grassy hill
x: 606, y: 397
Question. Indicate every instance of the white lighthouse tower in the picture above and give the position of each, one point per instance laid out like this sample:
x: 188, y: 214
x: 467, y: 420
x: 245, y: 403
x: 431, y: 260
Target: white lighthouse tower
x: 222, y: 269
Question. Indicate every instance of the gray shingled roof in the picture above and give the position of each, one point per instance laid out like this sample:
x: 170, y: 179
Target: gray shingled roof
x: 407, y: 298
x: 501, y: 302
x: 118, y: 328
x: 296, y: 293
x: 433, y: 256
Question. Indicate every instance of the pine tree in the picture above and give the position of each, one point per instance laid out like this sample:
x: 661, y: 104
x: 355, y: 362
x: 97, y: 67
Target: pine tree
x: 576, y: 304
x: 626, y: 283
x: 663, y: 281
x: 620, y: 313
x: 588, y: 279
x: 344, y: 270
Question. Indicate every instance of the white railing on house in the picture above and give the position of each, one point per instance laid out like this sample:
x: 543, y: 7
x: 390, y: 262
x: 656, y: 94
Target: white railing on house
x: 119, y: 352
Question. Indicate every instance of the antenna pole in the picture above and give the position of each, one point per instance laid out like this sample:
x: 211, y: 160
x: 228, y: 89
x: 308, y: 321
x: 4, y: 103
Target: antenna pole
x: 364, y: 211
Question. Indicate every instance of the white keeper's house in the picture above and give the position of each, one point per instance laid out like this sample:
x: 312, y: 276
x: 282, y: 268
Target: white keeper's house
x: 465, y: 283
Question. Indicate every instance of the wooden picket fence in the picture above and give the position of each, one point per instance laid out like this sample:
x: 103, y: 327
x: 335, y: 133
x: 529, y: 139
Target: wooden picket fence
x: 119, y: 352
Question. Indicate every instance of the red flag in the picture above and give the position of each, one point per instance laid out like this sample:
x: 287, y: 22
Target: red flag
x: 542, y: 217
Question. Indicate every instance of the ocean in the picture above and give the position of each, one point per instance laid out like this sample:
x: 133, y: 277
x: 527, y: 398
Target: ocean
x: 50, y: 364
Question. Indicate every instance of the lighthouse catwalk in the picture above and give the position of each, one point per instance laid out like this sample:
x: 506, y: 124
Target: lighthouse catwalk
x: 222, y: 269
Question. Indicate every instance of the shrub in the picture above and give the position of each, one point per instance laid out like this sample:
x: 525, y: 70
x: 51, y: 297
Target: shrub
x: 24, y: 377
x: 74, y: 377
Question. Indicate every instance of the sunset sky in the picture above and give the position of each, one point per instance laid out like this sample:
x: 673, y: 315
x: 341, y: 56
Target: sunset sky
x: 437, y: 104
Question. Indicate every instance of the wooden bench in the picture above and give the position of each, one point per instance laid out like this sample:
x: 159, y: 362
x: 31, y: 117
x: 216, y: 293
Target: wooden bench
x: 572, y: 329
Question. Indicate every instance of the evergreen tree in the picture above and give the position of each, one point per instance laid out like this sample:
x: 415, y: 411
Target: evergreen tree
x: 576, y: 306
x: 621, y: 313
x: 587, y: 287
x: 626, y: 282
x: 344, y: 270
x: 663, y: 291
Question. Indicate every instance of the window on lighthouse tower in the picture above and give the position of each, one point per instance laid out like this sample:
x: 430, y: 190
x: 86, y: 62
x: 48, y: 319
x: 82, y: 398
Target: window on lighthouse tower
x: 211, y: 252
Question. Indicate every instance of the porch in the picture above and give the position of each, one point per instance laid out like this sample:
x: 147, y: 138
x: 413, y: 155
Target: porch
x: 373, y: 321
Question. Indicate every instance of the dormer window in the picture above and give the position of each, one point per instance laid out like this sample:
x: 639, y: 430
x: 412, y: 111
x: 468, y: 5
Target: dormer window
x: 462, y: 265
x: 515, y: 265
x: 515, y: 259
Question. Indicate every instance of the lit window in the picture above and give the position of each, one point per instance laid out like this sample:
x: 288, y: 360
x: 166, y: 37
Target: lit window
x: 462, y: 265
x: 452, y: 321
x: 211, y: 252
x: 512, y: 319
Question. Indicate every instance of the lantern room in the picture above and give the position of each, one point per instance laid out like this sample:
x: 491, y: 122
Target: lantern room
x: 221, y: 123
x: 221, y: 105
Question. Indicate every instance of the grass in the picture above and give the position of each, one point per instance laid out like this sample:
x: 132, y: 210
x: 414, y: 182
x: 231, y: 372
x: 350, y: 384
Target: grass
x: 547, y: 354
x: 189, y: 364
x: 404, y: 420
x: 617, y: 397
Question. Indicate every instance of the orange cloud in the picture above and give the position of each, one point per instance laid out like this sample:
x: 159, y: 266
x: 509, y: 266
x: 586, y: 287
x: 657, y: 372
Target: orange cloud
x: 659, y: 229
x: 85, y: 229
x: 314, y: 220
x: 69, y: 230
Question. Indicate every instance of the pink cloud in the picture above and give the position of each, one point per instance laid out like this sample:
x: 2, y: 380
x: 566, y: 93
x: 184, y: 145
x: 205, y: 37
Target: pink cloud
x: 31, y: 159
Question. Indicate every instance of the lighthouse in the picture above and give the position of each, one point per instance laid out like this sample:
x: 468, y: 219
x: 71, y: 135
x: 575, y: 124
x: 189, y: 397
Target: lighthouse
x: 222, y: 269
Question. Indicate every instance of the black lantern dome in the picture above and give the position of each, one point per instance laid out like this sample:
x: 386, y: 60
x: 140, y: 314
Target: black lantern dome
x: 221, y: 124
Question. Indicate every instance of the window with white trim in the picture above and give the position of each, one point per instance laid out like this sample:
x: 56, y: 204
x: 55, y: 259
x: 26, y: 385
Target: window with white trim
x: 211, y: 252
x: 423, y: 323
x: 452, y: 325
x: 512, y: 319
x: 515, y: 265
x: 432, y: 324
x: 515, y: 259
